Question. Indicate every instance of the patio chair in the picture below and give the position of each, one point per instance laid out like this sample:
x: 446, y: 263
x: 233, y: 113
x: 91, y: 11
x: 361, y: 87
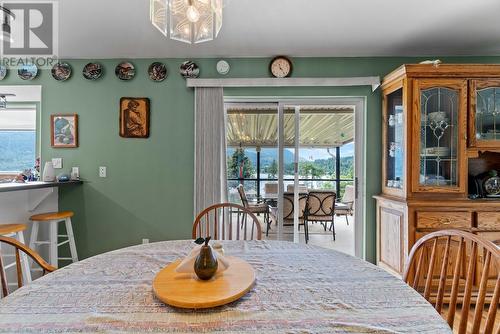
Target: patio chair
x: 346, y: 206
x: 321, y: 208
x: 227, y: 221
x: 271, y: 188
x: 302, y: 188
x: 257, y: 208
x: 288, y: 209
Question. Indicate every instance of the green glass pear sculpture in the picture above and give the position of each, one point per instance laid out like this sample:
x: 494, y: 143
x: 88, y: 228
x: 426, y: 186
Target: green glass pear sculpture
x: 205, y: 265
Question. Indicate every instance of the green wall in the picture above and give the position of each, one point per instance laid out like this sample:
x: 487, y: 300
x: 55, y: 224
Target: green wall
x: 149, y: 189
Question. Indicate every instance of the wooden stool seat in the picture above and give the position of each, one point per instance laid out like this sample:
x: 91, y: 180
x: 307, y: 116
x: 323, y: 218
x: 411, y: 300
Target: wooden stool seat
x: 15, y: 231
x: 11, y: 228
x: 53, y: 219
x: 52, y: 216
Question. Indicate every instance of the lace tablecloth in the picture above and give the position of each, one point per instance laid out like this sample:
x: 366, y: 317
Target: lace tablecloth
x: 299, y: 289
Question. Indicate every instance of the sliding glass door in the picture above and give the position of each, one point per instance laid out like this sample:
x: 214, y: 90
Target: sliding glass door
x: 253, y: 160
x: 320, y: 175
x: 291, y: 156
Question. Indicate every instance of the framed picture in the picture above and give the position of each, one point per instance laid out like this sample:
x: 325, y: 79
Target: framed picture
x: 64, y: 130
x: 134, y: 117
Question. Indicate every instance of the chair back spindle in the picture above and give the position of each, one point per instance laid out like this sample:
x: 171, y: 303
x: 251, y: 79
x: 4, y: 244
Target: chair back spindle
x: 459, y: 273
x: 227, y: 221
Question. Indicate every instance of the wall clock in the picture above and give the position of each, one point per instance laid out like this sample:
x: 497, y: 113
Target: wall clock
x: 280, y: 67
x: 223, y: 67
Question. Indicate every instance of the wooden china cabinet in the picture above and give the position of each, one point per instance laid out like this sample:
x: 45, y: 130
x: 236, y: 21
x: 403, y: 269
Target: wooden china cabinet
x: 441, y: 137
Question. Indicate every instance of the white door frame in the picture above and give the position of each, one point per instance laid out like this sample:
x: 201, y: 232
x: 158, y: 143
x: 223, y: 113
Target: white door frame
x: 359, y: 105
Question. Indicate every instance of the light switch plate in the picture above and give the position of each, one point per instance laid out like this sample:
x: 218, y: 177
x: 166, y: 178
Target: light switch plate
x: 102, y: 171
x: 57, y: 162
x: 75, y: 173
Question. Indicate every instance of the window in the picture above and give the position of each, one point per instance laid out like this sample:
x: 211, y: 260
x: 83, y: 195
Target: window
x: 17, y: 139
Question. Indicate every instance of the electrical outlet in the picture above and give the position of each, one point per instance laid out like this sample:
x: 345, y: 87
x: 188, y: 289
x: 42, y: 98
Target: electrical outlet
x: 145, y: 241
x: 102, y: 171
x: 57, y: 163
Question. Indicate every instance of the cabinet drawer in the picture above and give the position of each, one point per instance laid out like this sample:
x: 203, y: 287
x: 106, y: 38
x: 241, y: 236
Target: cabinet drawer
x: 488, y: 220
x: 439, y: 219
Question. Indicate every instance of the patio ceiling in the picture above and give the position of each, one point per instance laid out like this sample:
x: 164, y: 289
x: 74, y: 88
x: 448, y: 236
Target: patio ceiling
x: 320, y: 126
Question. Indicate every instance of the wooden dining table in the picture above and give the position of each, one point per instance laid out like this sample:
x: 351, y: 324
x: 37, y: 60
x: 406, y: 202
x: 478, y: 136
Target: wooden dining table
x: 298, y: 290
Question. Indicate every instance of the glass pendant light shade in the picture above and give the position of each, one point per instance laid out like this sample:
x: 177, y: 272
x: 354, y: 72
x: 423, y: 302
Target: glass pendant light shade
x: 217, y: 6
x: 5, y: 32
x: 189, y: 21
x: 192, y: 14
x: 158, y: 10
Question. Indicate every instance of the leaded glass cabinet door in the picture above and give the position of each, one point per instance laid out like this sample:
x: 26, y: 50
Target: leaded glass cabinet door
x: 439, y: 136
x: 394, y: 143
x: 484, y: 122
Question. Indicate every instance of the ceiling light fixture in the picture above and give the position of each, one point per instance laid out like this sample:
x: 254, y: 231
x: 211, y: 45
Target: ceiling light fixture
x: 188, y: 21
x: 3, y: 100
x: 8, y: 16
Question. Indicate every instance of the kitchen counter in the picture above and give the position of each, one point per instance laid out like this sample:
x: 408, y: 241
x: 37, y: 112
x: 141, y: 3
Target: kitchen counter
x: 11, y: 186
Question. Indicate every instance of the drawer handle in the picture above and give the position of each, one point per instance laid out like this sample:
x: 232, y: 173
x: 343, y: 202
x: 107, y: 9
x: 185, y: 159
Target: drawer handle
x: 445, y: 221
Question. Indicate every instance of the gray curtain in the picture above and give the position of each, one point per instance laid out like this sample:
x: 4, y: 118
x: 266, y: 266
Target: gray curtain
x: 210, y: 185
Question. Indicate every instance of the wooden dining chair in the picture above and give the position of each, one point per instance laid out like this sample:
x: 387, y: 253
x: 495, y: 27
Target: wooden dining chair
x: 457, y: 271
x: 18, y: 246
x: 227, y: 221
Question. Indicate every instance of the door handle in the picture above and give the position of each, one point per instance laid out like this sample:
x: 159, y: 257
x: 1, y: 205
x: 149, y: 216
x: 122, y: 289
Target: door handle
x: 356, y: 187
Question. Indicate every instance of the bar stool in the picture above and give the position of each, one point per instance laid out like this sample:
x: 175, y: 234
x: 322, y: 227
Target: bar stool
x: 53, y: 219
x: 16, y: 231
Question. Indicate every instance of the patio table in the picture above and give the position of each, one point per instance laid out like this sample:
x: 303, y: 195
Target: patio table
x: 298, y: 290
x: 270, y: 199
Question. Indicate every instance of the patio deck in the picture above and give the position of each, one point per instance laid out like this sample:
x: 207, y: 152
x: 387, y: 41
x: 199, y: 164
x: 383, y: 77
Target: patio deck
x: 318, y: 237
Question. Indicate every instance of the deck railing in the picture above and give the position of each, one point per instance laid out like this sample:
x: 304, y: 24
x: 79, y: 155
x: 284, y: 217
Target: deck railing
x: 336, y: 182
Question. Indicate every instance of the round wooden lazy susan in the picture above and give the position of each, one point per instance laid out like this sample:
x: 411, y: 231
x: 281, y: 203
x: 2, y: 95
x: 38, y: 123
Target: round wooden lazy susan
x: 184, y: 290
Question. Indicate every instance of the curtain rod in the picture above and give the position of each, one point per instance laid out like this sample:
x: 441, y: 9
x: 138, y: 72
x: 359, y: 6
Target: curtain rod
x: 374, y: 82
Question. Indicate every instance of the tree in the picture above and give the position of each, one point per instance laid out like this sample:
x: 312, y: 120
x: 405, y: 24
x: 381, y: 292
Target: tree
x: 310, y: 169
x: 272, y: 170
x: 239, y: 166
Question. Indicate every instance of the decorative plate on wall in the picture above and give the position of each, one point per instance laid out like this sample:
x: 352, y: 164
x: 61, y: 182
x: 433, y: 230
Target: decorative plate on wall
x: 92, y: 71
x: 189, y: 70
x: 3, y: 72
x: 223, y: 67
x: 125, y: 71
x: 157, y: 71
x: 27, y: 72
x: 61, y: 71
